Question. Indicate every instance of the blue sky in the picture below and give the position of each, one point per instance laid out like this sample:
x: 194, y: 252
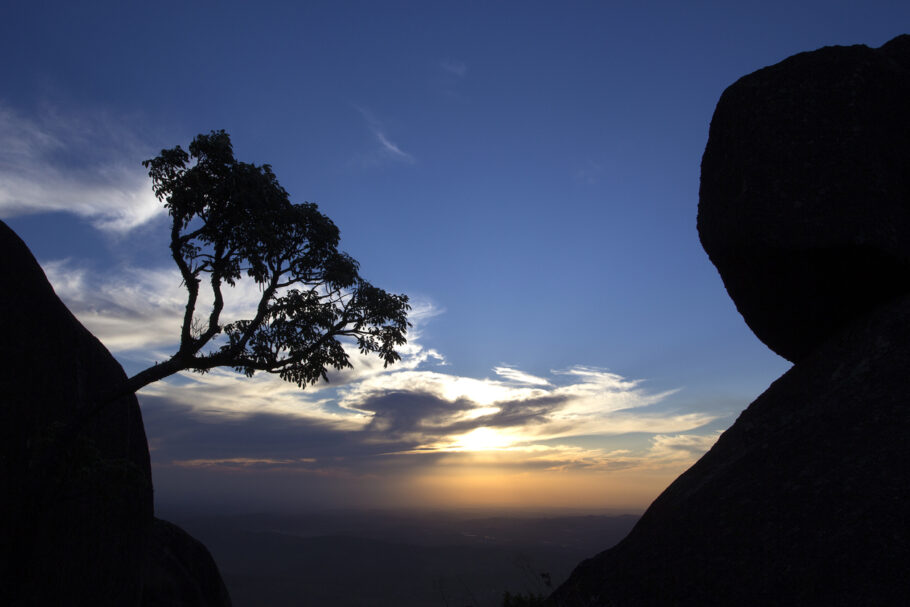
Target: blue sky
x: 526, y: 172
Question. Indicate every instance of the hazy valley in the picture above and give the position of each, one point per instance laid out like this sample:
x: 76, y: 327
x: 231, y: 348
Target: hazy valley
x: 356, y: 558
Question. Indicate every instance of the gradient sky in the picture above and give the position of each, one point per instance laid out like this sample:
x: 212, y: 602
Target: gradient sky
x: 526, y: 172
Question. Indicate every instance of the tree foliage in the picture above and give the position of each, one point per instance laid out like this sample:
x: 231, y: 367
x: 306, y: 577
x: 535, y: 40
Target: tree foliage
x: 231, y: 220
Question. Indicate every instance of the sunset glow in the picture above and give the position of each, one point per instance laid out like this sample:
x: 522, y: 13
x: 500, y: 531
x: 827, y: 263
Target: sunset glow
x: 481, y: 439
x: 528, y: 176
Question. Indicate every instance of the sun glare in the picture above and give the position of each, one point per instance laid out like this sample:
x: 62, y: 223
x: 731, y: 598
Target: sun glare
x: 481, y: 439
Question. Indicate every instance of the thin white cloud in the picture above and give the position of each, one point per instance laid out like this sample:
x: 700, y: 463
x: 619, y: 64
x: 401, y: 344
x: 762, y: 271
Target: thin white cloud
x: 662, y: 451
x: 241, y: 462
x: 134, y: 309
x: 508, y: 413
x: 519, y: 377
x: 589, y: 173
x: 387, y: 148
x: 222, y: 395
x: 655, y: 457
x: 456, y: 68
x: 75, y: 165
x: 682, y: 446
x: 130, y: 310
x: 392, y: 148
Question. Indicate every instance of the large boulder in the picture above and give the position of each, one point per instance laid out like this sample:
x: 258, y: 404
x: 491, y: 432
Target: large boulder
x: 805, y: 211
x: 76, y: 512
x: 76, y: 486
x: 805, y: 191
x: 182, y: 572
x: 803, y: 501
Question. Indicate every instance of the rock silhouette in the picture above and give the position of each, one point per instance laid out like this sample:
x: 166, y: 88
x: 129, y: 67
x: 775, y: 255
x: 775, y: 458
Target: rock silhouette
x: 77, y: 515
x: 181, y: 571
x: 805, y: 210
x: 805, y: 191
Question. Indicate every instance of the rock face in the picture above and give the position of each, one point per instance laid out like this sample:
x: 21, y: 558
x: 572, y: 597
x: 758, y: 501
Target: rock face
x: 182, y: 572
x: 805, y: 191
x: 76, y: 525
x: 804, y: 500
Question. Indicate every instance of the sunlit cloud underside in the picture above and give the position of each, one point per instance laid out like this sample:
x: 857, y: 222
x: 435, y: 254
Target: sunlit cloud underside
x: 371, y: 422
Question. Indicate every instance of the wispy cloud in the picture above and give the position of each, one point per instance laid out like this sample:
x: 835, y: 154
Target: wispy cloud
x: 519, y: 377
x: 661, y: 451
x: 135, y: 309
x: 139, y: 310
x: 589, y: 173
x: 392, y: 148
x: 423, y: 412
x: 456, y: 68
x: 190, y: 432
x: 411, y: 415
x: 77, y: 165
x: 387, y: 148
x: 412, y: 406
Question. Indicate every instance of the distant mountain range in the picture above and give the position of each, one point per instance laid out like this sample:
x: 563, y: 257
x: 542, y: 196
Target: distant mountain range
x: 397, y: 559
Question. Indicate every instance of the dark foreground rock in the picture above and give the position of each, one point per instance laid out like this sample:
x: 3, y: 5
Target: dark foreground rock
x: 805, y: 210
x: 76, y: 509
x: 182, y: 572
x: 76, y: 513
x: 803, y: 501
x: 805, y: 191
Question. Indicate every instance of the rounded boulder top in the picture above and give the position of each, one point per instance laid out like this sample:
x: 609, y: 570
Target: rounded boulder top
x: 804, y: 206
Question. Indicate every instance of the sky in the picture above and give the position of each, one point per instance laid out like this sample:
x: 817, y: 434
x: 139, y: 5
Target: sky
x: 526, y: 172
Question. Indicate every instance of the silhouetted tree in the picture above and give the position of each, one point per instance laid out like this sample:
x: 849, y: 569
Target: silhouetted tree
x: 232, y: 219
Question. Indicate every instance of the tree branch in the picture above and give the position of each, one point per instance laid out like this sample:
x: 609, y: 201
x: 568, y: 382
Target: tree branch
x: 217, y: 306
x: 192, y: 286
